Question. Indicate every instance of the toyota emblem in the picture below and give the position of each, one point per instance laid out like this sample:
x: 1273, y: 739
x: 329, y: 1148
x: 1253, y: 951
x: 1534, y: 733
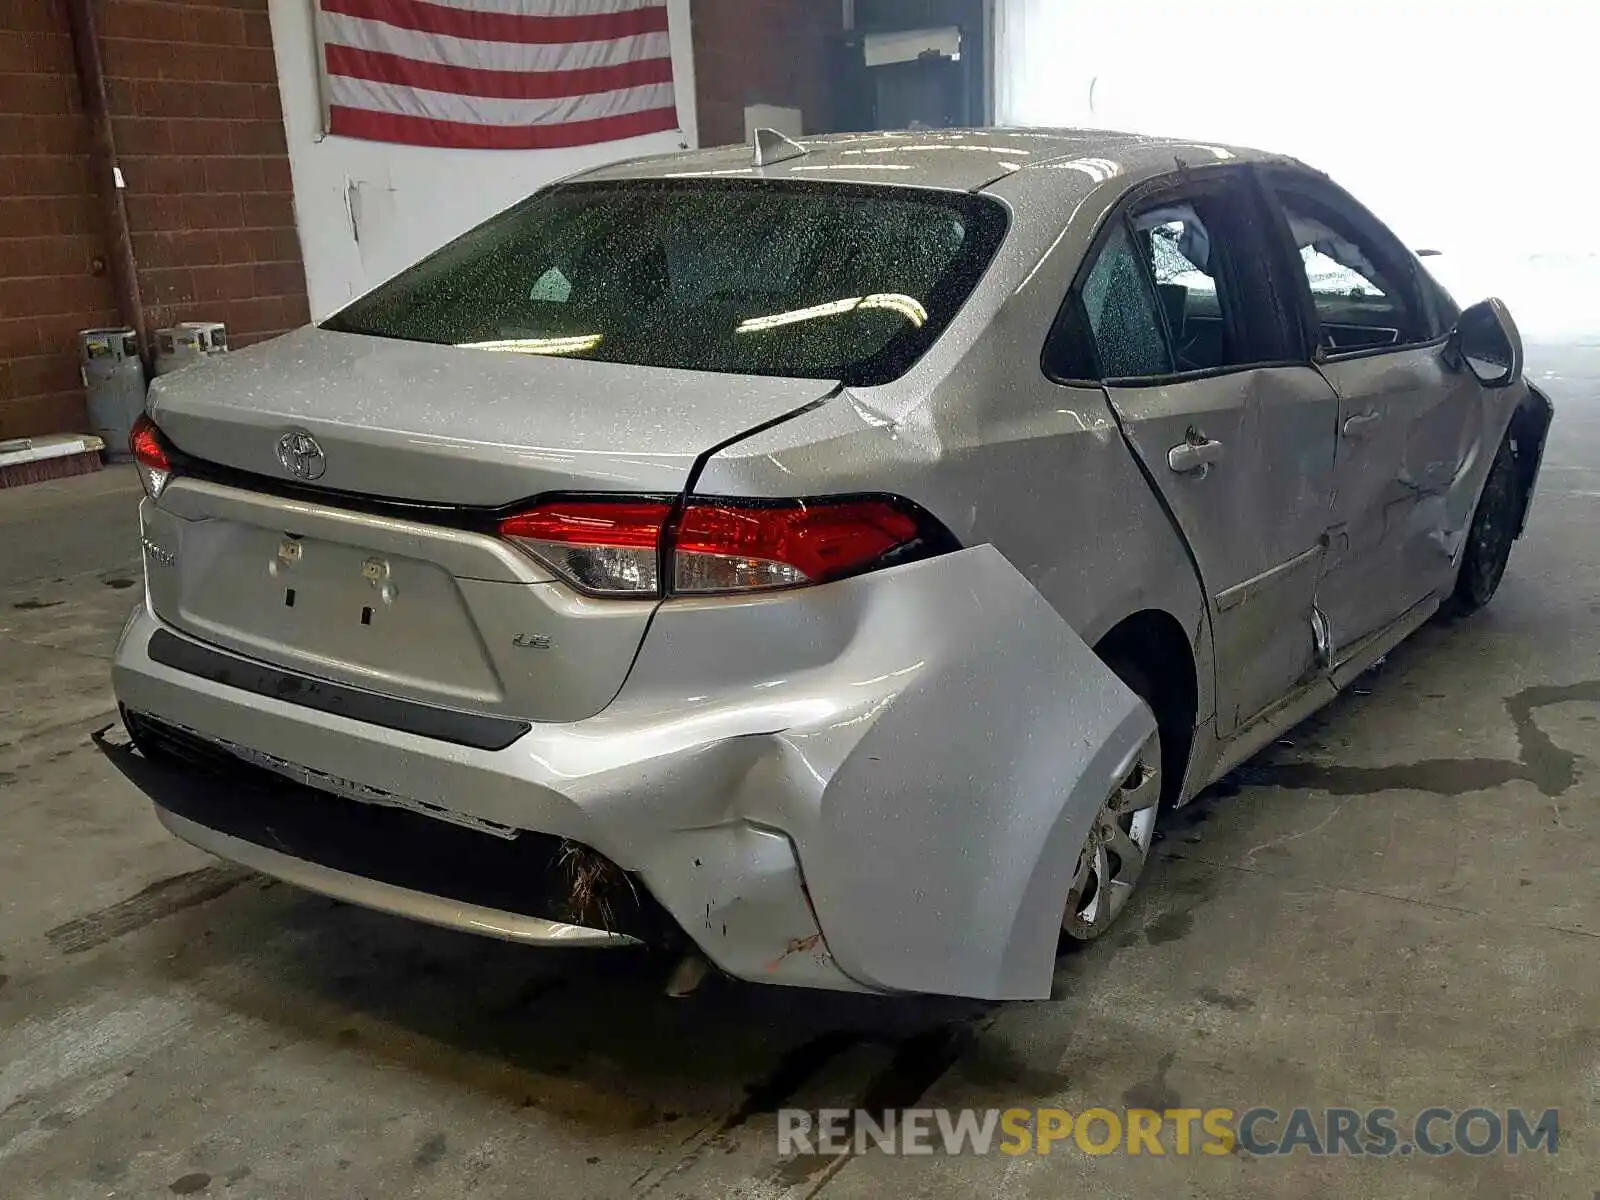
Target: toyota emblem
x: 301, y: 456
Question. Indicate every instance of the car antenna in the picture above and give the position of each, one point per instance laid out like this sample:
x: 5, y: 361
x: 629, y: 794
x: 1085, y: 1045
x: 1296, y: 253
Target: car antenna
x: 773, y: 147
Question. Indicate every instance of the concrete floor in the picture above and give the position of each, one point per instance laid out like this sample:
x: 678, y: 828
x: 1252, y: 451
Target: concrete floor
x: 1399, y: 908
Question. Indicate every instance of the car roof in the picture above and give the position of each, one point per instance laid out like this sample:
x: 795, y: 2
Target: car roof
x: 956, y: 159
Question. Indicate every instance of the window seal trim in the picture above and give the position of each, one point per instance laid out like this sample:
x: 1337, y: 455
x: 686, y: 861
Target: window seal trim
x: 1434, y: 343
x: 1205, y: 373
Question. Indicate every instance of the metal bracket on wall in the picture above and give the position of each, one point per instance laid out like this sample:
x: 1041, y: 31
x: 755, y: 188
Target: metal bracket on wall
x: 773, y: 147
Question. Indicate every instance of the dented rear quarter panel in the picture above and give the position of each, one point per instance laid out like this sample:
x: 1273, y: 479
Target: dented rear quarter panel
x: 979, y: 436
x: 936, y: 842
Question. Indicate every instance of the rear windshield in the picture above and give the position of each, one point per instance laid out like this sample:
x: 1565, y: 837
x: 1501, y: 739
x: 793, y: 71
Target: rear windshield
x: 813, y: 281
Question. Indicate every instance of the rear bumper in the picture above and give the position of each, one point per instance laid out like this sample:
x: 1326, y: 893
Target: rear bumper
x: 518, y: 889
x: 427, y: 907
x: 880, y: 785
x: 442, y: 871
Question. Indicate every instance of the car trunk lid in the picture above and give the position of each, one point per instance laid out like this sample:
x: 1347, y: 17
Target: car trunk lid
x: 457, y: 426
x: 384, y: 571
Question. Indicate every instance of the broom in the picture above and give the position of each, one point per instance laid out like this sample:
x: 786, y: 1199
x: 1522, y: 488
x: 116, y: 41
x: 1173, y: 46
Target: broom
x: 57, y: 456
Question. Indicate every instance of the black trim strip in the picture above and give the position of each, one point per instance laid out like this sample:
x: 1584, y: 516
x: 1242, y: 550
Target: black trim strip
x: 531, y: 874
x: 406, y: 716
x: 473, y: 519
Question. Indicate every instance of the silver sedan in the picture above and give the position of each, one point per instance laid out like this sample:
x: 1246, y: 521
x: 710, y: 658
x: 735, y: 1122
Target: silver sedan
x: 823, y: 561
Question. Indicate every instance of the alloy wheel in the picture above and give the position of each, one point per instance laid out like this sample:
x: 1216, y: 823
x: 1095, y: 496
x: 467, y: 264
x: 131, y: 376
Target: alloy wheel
x: 1114, y: 856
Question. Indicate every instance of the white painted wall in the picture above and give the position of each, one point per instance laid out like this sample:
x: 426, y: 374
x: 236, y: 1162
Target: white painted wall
x: 1460, y: 125
x: 408, y: 200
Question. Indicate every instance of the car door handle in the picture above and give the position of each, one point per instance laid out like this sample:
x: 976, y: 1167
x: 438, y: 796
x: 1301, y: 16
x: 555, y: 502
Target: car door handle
x: 1362, y: 425
x: 1188, y: 457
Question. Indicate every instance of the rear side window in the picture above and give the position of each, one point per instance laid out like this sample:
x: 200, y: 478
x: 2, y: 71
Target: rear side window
x: 1123, y: 321
x: 819, y: 281
x: 1178, y: 285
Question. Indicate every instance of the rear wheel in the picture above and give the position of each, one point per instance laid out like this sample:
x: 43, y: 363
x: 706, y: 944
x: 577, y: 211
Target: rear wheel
x: 1494, y: 529
x: 1113, y: 858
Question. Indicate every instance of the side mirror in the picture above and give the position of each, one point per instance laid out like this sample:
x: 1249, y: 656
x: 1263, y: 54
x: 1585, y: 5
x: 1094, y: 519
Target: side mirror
x: 1486, y: 339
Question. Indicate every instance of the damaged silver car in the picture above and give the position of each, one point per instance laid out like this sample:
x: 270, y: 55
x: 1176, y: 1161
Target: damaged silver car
x: 825, y: 562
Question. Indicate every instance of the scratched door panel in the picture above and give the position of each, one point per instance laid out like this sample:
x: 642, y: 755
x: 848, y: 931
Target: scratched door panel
x: 1254, y: 519
x: 1408, y: 428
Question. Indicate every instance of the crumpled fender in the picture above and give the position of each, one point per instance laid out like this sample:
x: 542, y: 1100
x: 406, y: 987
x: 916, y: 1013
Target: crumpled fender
x: 1530, y: 425
x: 1522, y: 413
x: 949, y: 835
x: 933, y: 739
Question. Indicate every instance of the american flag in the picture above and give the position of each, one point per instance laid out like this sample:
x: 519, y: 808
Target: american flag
x: 496, y: 74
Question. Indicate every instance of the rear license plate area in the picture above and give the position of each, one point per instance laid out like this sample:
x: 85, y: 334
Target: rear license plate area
x: 333, y: 609
x: 325, y: 581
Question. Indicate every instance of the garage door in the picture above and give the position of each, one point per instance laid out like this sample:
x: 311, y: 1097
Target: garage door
x: 1463, y: 127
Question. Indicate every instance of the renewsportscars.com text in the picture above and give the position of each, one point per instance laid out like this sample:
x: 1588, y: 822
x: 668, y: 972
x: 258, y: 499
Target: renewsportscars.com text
x: 1260, y: 1131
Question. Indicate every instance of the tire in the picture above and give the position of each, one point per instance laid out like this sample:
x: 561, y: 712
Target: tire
x: 1107, y: 875
x: 1489, y: 540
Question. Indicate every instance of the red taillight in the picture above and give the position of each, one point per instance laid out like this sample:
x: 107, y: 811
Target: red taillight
x: 149, y: 456
x: 610, y: 548
x: 615, y: 548
x: 736, y: 548
x: 145, y: 443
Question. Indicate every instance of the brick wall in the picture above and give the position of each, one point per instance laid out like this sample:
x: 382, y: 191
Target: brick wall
x: 194, y: 97
x: 53, y: 264
x: 761, y: 52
